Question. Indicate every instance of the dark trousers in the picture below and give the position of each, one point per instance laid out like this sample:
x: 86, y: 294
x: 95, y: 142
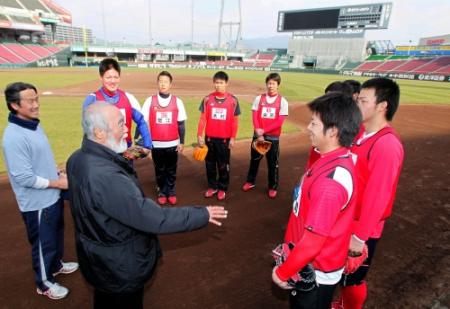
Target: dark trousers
x: 272, y: 164
x: 45, y: 231
x: 218, y: 163
x: 360, y: 274
x: 165, y: 161
x: 103, y: 300
x: 319, y: 298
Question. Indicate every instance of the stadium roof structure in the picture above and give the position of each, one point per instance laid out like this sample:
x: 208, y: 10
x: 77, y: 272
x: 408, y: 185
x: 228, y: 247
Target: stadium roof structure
x: 31, y: 15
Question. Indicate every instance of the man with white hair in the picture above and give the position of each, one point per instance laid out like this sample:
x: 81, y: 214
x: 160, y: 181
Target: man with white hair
x: 116, y: 226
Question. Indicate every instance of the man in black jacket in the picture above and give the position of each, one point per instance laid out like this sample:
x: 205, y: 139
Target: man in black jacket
x: 115, y: 224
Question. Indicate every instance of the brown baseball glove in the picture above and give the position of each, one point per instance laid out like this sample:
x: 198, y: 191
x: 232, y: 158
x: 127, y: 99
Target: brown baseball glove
x: 200, y: 153
x: 134, y: 152
x: 262, y: 147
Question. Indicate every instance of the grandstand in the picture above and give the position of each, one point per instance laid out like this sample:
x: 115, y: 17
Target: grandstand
x: 433, y: 59
x: 29, y: 29
x: 16, y: 53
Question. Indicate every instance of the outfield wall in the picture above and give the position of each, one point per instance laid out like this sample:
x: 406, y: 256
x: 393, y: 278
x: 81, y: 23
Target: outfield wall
x: 410, y: 76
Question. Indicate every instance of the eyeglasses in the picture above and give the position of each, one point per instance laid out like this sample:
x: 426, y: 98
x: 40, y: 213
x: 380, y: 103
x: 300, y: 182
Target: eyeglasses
x: 30, y: 100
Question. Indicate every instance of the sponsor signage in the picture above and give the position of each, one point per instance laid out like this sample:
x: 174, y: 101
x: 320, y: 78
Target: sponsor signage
x: 32, y: 27
x: 215, y: 53
x: 5, y: 24
x: 410, y: 76
x: 330, y: 33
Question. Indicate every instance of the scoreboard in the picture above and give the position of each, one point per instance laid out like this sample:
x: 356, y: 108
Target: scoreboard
x: 369, y: 16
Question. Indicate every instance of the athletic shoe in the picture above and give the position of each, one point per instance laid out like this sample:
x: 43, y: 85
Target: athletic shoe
x: 55, y: 291
x: 248, y: 186
x: 172, y: 200
x: 221, y: 195
x: 67, y: 268
x: 272, y: 193
x: 162, y: 200
x: 210, y: 192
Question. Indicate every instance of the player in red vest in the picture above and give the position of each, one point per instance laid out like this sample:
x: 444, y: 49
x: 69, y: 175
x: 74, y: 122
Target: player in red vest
x: 269, y: 112
x: 349, y: 87
x: 109, y: 70
x: 219, y: 120
x: 320, y: 223
x: 379, y: 161
x: 165, y: 115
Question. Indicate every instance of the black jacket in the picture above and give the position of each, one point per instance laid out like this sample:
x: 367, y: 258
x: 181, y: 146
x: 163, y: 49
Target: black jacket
x: 115, y: 225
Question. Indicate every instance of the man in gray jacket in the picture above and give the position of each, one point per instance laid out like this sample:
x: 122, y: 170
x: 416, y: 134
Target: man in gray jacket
x: 37, y: 185
x: 115, y: 224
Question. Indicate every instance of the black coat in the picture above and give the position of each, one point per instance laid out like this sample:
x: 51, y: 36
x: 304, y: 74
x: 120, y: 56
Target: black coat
x: 115, y: 225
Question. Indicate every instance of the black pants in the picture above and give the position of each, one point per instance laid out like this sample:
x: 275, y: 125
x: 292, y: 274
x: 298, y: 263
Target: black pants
x: 218, y: 163
x: 272, y: 164
x: 165, y: 161
x: 319, y: 298
x: 360, y: 274
x: 45, y: 231
x: 103, y: 300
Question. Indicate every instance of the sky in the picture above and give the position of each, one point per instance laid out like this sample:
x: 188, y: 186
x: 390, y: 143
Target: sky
x: 171, y: 20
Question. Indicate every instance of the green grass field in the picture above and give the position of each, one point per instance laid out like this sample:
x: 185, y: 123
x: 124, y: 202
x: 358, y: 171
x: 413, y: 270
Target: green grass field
x: 61, y: 116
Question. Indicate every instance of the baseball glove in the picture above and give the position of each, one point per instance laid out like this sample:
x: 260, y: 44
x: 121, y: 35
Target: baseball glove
x: 200, y: 153
x: 305, y: 279
x: 355, y: 261
x: 134, y: 152
x: 262, y: 147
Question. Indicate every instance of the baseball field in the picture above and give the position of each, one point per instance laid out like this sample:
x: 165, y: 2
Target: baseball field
x: 230, y: 266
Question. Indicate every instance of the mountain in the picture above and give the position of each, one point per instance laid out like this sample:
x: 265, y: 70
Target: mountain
x: 279, y: 41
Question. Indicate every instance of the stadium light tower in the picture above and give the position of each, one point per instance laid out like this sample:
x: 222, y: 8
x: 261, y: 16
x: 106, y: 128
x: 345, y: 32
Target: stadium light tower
x: 192, y: 23
x: 230, y: 24
x: 104, y: 22
x: 150, y: 39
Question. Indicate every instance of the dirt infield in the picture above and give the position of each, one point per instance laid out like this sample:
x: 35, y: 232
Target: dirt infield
x: 143, y: 84
x: 230, y: 266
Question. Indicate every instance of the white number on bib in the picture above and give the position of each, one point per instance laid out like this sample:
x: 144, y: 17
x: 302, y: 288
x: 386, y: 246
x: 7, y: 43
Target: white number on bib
x: 163, y: 117
x: 268, y: 112
x: 297, y: 198
x: 219, y: 113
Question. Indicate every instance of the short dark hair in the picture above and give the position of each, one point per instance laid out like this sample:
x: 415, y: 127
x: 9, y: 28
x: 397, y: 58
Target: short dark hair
x: 340, y: 87
x: 338, y: 110
x: 164, y: 73
x: 108, y: 64
x: 274, y: 76
x: 12, y: 93
x: 356, y: 86
x: 221, y: 75
x: 385, y: 90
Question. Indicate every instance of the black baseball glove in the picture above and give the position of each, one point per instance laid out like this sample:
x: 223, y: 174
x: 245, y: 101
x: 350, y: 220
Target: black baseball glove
x: 305, y: 279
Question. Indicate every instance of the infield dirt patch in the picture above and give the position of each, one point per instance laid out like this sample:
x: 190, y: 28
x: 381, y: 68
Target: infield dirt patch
x: 143, y: 84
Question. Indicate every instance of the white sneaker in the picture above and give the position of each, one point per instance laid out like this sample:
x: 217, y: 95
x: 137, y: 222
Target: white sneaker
x: 67, y: 268
x: 55, y: 291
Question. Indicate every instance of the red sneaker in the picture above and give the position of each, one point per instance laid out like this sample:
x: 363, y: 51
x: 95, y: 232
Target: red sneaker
x: 172, y: 200
x: 210, y: 192
x: 248, y: 186
x: 162, y: 200
x: 221, y: 195
x: 272, y: 193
